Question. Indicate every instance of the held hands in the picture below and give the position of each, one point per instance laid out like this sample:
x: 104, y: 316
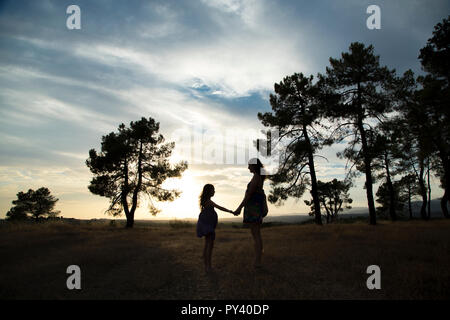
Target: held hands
x: 238, y: 211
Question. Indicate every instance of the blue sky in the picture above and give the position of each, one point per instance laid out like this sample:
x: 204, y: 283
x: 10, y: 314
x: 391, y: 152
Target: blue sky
x: 209, y: 64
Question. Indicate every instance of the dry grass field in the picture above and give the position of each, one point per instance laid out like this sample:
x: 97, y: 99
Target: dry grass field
x: 164, y: 261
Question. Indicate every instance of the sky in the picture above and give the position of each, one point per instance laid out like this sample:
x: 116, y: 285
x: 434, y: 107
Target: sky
x: 203, y: 69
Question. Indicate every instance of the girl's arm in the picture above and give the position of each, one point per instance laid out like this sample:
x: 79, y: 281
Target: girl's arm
x: 221, y: 208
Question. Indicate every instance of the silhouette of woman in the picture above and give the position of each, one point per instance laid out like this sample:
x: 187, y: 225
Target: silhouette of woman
x: 255, y: 206
x: 207, y: 222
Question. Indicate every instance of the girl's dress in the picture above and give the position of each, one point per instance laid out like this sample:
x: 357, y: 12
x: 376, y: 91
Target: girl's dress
x: 254, y: 210
x: 207, y: 222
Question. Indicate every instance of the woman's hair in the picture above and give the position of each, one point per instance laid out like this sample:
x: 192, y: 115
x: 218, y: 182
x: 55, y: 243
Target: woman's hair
x: 206, y: 194
x: 257, y: 167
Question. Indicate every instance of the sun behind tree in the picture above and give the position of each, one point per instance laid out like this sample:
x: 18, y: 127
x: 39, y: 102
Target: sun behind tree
x: 133, y: 162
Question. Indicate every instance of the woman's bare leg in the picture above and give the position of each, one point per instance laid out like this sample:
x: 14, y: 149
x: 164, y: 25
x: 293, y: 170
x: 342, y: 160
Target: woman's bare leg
x: 209, y: 244
x: 210, y: 253
x: 256, y: 233
x: 205, y: 253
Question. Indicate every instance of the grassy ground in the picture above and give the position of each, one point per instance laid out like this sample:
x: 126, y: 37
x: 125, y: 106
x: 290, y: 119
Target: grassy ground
x: 164, y: 261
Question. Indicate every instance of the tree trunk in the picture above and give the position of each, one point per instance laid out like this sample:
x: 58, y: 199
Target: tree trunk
x: 368, y: 172
x: 429, y: 189
x: 335, y: 215
x: 367, y: 163
x: 324, y: 204
x: 312, y: 171
x: 423, y: 192
x: 409, y: 202
x: 124, y: 196
x: 130, y: 220
x: 443, y: 153
x: 445, y: 199
x: 392, y: 204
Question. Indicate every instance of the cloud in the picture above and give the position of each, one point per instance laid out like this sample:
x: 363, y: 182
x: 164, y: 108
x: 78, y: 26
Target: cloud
x: 43, y: 106
x: 235, y: 64
x: 236, y: 61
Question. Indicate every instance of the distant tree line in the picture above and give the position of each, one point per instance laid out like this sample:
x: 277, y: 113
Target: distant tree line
x: 397, y: 129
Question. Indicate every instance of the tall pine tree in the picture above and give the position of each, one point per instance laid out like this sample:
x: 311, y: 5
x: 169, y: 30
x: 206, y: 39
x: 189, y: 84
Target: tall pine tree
x: 296, y: 113
x: 362, y: 85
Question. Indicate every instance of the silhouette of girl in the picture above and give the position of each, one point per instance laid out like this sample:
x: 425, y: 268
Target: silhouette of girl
x: 207, y: 222
x: 255, y: 206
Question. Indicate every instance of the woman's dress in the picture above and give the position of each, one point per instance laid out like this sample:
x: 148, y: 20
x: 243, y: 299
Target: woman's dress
x: 255, y: 209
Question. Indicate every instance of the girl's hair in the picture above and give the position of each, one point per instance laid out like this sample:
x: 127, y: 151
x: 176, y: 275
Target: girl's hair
x: 206, y: 194
x: 257, y: 167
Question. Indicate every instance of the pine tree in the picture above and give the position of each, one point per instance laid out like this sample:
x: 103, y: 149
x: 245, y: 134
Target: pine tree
x: 296, y: 113
x: 133, y: 162
x: 363, y: 86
